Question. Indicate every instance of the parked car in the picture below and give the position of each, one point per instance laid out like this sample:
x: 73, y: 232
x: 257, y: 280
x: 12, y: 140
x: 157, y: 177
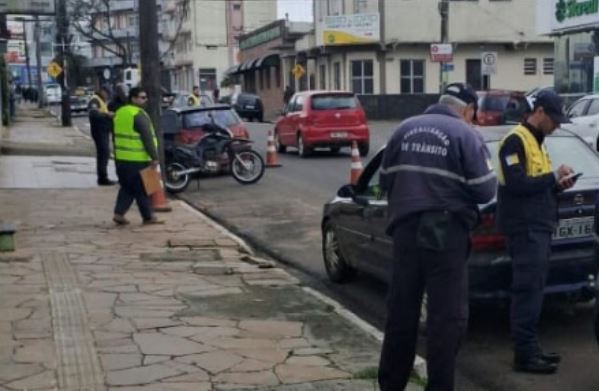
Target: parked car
x: 584, y: 114
x: 354, y: 222
x: 182, y: 99
x: 248, y: 106
x: 53, y: 93
x: 332, y: 119
x: 184, y: 125
x: 501, y: 107
x: 79, y: 103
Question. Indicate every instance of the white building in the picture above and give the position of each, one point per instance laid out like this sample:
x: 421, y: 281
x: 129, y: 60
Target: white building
x: 206, y: 44
x: 383, y: 46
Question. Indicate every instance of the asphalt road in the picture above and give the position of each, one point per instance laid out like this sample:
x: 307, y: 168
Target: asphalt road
x: 281, y: 215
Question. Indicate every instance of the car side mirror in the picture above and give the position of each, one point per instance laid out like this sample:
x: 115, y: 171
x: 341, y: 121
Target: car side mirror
x: 347, y: 191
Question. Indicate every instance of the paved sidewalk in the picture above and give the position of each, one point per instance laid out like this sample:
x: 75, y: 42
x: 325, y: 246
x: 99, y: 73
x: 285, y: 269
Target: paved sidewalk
x: 185, y: 306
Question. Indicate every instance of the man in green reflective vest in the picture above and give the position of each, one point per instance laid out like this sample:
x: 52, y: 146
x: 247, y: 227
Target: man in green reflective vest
x: 135, y: 148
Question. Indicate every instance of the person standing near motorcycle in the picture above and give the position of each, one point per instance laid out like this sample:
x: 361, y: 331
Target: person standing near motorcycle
x: 135, y: 148
x: 100, y: 123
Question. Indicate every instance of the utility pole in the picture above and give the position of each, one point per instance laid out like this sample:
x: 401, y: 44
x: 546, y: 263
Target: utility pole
x: 27, y: 61
x: 61, y: 39
x: 41, y: 100
x: 444, y: 12
x: 150, y: 63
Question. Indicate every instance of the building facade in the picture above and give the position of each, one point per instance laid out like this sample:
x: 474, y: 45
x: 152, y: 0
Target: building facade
x: 384, y: 46
x: 207, y: 40
x: 575, y: 28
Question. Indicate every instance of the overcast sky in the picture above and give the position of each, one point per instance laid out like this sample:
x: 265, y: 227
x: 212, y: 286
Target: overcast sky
x: 298, y: 10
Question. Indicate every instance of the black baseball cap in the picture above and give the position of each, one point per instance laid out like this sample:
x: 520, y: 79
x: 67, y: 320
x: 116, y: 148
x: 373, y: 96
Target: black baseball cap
x: 552, y: 104
x: 463, y: 92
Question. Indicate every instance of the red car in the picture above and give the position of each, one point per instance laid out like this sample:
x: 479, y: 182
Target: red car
x: 501, y: 107
x: 330, y: 119
x: 185, y: 124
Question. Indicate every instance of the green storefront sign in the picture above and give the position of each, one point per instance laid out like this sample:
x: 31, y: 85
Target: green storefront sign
x: 260, y: 38
x: 567, y: 9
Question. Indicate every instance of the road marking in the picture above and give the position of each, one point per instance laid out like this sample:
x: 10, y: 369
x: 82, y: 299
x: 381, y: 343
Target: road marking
x: 78, y: 366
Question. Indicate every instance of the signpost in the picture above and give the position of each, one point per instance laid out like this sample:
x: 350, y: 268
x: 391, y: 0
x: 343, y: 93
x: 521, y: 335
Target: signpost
x: 54, y: 69
x: 298, y: 71
x: 488, y: 63
x: 441, y: 52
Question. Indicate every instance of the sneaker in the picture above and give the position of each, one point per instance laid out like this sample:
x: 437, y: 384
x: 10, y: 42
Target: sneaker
x: 153, y: 221
x: 106, y: 182
x: 120, y: 220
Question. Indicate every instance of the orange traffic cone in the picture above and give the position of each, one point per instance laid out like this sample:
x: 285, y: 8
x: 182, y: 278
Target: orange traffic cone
x: 356, y: 164
x: 272, y: 160
x: 159, y: 203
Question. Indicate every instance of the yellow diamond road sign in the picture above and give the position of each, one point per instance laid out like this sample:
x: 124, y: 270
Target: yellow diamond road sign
x: 298, y: 71
x: 54, y: 69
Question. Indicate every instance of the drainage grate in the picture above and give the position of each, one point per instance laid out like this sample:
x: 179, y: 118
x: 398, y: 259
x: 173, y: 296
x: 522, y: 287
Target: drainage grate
x: 78, y: 366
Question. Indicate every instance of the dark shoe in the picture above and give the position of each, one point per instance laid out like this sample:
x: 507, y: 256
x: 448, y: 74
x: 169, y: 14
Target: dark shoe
x: 120, y: 220
x: 551, y: 357
x: 106, y: 182
x: 153, y: 221
x: 535, y: 365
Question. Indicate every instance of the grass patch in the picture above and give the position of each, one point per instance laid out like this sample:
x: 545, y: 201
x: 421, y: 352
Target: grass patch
x: 367, y: 373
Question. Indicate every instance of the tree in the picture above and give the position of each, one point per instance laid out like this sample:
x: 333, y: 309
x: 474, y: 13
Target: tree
x: 94, y: 21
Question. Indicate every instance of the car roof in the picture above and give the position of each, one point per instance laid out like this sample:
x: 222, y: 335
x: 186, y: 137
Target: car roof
x: 500, y: 93
x: 318, y: 92
x: 496, y: 133
x: 188, y: 109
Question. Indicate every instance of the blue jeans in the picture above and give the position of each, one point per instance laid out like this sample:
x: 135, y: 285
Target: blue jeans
x: 132, y: 188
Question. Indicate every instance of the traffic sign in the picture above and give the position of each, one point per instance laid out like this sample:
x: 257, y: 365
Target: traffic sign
x: 447, y: 67
x: 441, y: 52
x: 489, y: 63
x: 54, y: 69
x: 298, y: 71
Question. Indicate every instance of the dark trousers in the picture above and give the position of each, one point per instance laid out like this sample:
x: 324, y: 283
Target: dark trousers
x: 443, y: 275
x: 530, y: 253
x: 132, y: 188
x: 101, y: 140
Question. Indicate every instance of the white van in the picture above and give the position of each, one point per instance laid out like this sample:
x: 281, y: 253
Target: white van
x: 53, y: 93
x: 131, y: 77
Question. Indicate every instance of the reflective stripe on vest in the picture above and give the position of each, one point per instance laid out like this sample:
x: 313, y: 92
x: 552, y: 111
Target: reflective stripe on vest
x: 537, y: 158
x: 103, y: 107
x: 128, y: 145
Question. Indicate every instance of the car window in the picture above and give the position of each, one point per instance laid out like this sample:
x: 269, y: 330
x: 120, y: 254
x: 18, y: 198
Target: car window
x: 578, y: 109
x: 291, y: 105
x: 570, y: 150
x: 334, y: 102
x: 515, y: 110
x: 493, y: 103
x: 593, y: 107
x: 369, y: 184
x: 198, y: 119
x: 299, y: 103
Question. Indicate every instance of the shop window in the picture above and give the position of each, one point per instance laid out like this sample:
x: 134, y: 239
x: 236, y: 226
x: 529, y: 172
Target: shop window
x: 322, y: 78
x: 337, y: 76
x: 362, y: 76
x: 530, y: 66
x: 360, y: 6
x: 207, y: 79
x: 412, y: 76
x: 548, y: 66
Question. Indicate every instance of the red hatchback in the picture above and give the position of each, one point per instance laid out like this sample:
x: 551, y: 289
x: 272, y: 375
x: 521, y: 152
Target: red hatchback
x: 330, y: 119
x: 501, y: 107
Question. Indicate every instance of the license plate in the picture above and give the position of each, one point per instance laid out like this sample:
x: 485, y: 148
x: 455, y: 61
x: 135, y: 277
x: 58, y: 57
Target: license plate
x: 574, y: 228
x: 338, y: 134
x: 250, y: 107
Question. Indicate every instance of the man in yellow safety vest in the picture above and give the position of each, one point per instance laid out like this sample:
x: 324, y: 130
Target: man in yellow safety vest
x: 135, y: 148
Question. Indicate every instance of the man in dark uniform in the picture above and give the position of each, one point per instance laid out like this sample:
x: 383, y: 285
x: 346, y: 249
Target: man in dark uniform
x: 435, y: 171
x: 527, y: 214
x: 100, y: 122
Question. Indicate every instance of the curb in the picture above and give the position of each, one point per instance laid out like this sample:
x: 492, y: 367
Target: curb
x: 220, y: 224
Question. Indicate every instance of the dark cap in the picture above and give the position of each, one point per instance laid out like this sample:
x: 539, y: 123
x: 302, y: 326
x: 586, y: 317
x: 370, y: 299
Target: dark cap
x: 463, y: 92
x: 552, y: 104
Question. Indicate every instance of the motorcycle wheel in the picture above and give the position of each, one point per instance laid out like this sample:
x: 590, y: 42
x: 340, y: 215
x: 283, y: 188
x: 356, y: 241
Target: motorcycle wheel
x: 176, y: 183
x: 247, y: 167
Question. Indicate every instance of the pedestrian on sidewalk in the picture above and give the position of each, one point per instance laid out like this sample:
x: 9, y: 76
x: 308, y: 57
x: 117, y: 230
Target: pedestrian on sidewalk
x: 135, y: 148
x: 436, y: 169
x: 100, y: 122
x: 119, y: 98
x: 527, y: 215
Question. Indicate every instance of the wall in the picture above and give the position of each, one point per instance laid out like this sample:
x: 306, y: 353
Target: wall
x: 258, y: 13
